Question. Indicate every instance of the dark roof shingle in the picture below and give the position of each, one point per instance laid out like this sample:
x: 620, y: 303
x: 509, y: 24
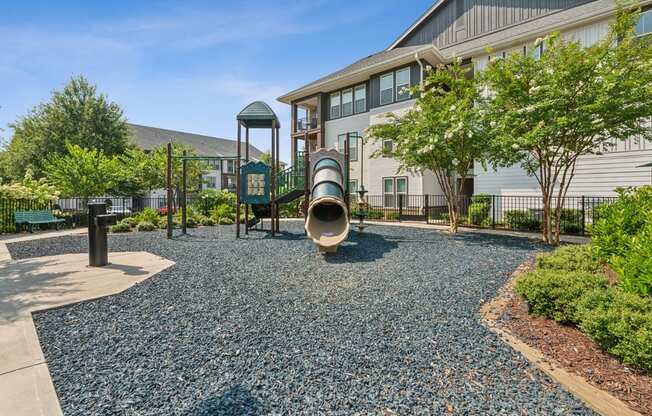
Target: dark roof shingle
x: 148, y: 138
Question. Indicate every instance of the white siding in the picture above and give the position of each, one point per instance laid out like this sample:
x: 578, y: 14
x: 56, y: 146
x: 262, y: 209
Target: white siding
x: 596, y: 175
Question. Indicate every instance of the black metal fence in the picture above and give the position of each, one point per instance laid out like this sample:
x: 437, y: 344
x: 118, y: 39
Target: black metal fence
x: 518, y: 213
x: 522, y: 213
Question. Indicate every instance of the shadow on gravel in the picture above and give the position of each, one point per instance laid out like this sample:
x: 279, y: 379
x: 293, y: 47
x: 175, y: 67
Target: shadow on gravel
x: 363, y: 248
x: 235, y: 401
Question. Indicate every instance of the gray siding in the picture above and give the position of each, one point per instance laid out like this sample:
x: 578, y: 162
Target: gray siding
x: 458, y: 20
x: 374, y: 83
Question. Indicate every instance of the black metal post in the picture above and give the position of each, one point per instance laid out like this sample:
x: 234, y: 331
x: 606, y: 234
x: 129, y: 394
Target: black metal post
x: 583, y: 216
x: 98, y: 222
x: 237, y: 182
x: 278, y: 169
x: 347, y: 168
x: 169, y: 193
x: 246, y: 221
x: 184, y: 218
x: 493, y: 211
x: 273, y: 180
x: 427, y: 208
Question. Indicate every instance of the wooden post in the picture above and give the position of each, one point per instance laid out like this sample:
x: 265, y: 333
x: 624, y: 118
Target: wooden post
x: 247, y: 161
x: 278, y: 168
x: 184, y: 218
x: 273, y: 180
x: 237, y: 182
x: 169, y: 186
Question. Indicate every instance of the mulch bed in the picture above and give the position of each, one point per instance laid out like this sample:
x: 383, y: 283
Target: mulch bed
x: 576, y: 353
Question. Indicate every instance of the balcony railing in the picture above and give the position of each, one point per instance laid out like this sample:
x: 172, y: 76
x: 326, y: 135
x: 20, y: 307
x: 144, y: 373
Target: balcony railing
x: 304, y: 124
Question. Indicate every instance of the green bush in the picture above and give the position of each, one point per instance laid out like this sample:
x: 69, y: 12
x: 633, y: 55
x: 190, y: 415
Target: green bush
x: 521, y: 220
x: 226, y: 221
x: 619, y: 222
x: 439, y: 216
x: 145, y: 226
x: 207, y: 221
x: 622, y: 235
x: 131, y: 221
x: 479, y: 209
x: 120, y: 227
x: 209, y: 199
x: 191, y: 222
x: 223, y: 211
x: 392, y: 216
x: 148, y: 215
x: 555, y: 295
x: 573, y: 258
x: 570, y: 221
x: 621, y: 323
x: 375, y: 215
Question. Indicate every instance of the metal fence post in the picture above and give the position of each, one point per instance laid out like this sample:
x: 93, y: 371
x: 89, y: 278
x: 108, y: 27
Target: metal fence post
x: 427, y: 208
x: 400, y: 206
x: 583, y: 217
x: 493, y: 211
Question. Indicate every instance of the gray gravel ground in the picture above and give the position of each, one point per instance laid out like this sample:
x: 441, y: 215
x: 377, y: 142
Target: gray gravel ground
x: 268, y: 326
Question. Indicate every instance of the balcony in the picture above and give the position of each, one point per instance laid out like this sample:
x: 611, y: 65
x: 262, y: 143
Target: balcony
x: 305, y: 123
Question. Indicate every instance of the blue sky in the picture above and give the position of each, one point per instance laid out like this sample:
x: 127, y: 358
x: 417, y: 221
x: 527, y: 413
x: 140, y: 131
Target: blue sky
x: 188, y: 65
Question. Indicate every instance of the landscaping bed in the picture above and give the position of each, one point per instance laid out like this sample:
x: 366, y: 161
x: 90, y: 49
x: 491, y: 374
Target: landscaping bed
x: 388, y: 325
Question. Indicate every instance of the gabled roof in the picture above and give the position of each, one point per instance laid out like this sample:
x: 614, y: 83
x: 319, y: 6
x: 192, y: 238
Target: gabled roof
x: 416, y: 24
x: 365, y: 64
x: 148, y: 138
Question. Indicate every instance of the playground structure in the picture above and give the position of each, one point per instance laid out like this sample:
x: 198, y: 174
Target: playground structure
x: 263, y: 188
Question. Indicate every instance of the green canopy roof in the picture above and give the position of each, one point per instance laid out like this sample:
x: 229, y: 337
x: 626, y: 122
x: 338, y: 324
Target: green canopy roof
x: 647, y: 165
x: 258, y: 115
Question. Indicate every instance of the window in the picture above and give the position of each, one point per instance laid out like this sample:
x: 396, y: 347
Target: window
x: 395, y: 190
x: 402, y: 84
x: 538, y: 51
x: 335, y: 105
x: 353, y: 145
x: 388, y: 148
x: 347, y: 102
x: 644, y: 25
x: 211, y: 182
x: 360, y: 99
x: 387, y: 88
x: 229, y: 167
x: 388, y: 192
x: 353, y: 186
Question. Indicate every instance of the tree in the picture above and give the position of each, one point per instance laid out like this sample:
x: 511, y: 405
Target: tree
x: 75, y: 115
x: 545, y: 112
x: 83, y: 172
x: 29, y: 188
x: 443, y: 133
x: 266, y: 157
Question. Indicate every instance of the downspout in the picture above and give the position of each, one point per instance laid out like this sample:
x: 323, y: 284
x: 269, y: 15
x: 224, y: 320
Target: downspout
x: 416, y: 56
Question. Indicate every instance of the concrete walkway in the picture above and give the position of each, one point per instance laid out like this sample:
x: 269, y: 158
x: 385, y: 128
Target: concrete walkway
x: 42, y: 283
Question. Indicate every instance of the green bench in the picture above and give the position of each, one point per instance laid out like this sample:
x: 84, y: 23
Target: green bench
x: 31, y: 218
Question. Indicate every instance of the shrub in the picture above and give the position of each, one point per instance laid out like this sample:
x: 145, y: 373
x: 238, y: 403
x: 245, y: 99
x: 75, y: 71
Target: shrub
x: 521, y: 220
x: 223, y: 211
x: 120, y: 227
x: 619, y: 222
x: 226, y: 221
x: 392, y: 216
x: 131, y: 221
x: 209, y: 199
x: 570, y: 221
x: 374, y: 215
x: 191, y: 222
x: 148, y: 215
x: 621, y: 323
x: 555, y: 295
x: 479, y: 209
x: 145, y: 226
x: 439, y: 216
x: 622, y: 235
x: 574, y: 258
x: 207, y: 221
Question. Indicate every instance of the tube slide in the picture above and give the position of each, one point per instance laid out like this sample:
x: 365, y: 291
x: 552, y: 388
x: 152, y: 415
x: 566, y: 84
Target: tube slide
x: 328, y: 218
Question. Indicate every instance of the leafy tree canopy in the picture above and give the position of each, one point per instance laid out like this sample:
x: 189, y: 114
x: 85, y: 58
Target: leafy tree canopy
x: 546, y: 111
x: 443, y: 133
x: 77, y: 115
